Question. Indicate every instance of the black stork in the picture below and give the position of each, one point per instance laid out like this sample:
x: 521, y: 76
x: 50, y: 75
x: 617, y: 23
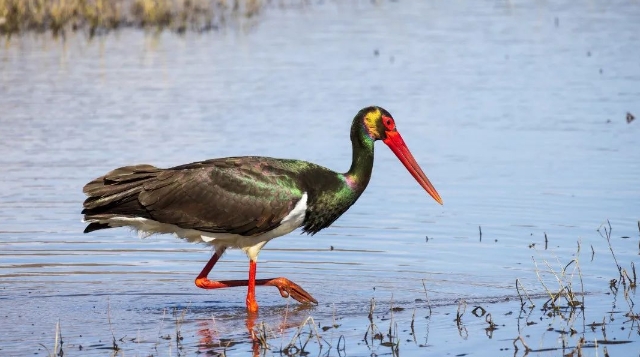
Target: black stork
x: 244, y: 202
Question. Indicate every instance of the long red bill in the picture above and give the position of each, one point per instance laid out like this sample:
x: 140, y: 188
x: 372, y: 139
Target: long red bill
x: 397, y: 145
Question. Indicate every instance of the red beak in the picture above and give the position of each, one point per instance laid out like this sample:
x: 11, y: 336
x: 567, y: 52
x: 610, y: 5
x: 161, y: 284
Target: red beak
x: 397, y: 145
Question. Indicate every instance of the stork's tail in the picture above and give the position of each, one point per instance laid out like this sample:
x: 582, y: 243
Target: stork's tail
x: 116, y: 195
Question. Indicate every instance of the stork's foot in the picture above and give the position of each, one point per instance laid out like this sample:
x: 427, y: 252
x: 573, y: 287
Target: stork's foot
x: 290, y: 289
x: 204, y: 283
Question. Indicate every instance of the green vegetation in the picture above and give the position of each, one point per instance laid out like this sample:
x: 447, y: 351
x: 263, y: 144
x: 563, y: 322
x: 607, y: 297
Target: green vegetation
x: 101, y: 16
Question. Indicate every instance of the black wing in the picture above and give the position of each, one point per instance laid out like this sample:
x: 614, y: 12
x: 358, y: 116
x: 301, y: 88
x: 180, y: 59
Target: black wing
x: 245, y: 195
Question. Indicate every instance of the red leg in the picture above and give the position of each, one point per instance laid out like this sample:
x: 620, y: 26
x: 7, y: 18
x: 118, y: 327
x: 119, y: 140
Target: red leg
x: 252, y: 304
x: 285, y: 286
x: 203, y: 282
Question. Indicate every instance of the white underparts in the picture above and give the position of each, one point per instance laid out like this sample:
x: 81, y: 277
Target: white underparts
x: 250, y: 245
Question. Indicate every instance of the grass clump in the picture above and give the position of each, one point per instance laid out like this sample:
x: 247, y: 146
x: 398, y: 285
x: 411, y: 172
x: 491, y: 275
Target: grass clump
x: 101, y: 16
x: 58, y: 16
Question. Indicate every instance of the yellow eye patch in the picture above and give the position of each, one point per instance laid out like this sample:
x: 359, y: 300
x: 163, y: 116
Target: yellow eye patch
x: 371, y: 121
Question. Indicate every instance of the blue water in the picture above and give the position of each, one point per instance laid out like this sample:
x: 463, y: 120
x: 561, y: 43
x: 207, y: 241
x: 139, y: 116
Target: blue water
x: 515, y: 110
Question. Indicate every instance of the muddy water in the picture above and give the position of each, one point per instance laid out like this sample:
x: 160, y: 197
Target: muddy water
x: 516, y: 111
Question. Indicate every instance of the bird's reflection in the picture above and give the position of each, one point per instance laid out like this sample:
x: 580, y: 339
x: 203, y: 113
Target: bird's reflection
x: 212, y: 338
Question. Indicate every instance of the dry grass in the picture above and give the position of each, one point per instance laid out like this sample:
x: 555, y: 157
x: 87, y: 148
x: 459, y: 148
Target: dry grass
x: 57, y: 345
x: 101, y: 16
x: 566, y: 301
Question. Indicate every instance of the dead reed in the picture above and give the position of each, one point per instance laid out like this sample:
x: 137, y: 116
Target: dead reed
x: 57, y: 344
x: 567, y: 303
x: 101, y: 16
x: 623, y: 275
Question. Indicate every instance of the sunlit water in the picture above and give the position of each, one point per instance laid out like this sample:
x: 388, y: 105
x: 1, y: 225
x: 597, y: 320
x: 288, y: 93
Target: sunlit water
x: 515, y: 110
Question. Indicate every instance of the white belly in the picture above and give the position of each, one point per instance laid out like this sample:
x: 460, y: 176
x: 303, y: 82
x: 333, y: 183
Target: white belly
x: 250, y: 245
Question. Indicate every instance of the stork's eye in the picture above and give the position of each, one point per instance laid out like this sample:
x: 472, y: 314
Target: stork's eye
x: 388, y: 123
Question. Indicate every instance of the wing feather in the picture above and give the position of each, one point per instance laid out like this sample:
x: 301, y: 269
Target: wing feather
x: 243, y: 195
x: 222, y: 197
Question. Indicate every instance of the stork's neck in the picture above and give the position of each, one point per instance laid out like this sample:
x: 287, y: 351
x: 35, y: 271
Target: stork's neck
x: 335, y: 193
x: 359, y: 174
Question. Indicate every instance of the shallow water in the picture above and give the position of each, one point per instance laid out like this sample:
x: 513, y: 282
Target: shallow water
x: 515, y: 110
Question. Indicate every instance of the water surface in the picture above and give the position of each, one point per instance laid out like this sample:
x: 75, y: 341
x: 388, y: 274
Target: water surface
x: 515, y: 110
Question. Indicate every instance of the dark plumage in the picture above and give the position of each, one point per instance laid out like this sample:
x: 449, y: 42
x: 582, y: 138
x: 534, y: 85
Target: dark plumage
x: 247, y: 196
